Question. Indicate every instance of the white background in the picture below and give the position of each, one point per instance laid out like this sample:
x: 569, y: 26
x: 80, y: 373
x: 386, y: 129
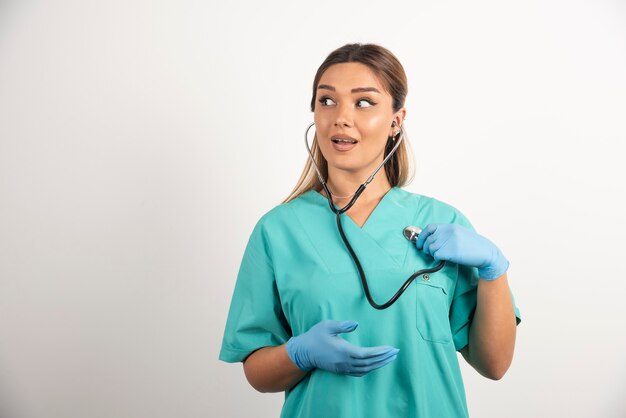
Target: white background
x: 140, y: 141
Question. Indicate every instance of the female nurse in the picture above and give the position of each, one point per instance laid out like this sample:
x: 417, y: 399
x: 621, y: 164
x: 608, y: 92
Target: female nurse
x: 299, y: 320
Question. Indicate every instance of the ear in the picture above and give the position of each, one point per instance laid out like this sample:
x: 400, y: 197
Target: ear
x: 398, y: 118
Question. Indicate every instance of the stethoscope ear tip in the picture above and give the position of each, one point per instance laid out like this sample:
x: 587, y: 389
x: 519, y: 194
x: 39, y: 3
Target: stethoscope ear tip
x: 411, y: 233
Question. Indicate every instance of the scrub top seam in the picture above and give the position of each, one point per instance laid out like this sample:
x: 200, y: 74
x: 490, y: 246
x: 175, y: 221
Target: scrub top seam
x: 268, y: 251
x: 308, y: 237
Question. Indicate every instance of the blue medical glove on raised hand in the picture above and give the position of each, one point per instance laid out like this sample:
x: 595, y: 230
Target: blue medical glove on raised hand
x: 463, y: 246
x: 321, y: 347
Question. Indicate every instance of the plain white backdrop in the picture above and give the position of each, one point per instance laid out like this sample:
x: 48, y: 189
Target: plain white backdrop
x: 140, y: 142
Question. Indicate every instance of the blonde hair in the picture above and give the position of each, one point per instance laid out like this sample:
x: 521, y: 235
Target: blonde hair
x: 387, y: 68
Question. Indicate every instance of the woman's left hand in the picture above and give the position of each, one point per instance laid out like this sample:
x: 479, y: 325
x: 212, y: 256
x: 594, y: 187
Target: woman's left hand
x: 461, y: 245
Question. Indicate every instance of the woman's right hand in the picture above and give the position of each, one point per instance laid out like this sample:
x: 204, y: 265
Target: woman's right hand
x: 321, y: 347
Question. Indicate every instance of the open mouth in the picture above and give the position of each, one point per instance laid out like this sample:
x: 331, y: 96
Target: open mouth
x: 343, y: 140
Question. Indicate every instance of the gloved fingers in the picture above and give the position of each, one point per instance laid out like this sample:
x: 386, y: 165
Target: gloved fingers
x: 357, y: 352
x: 363, y: 370
x: 449, y: 253
x: 426, y: 232
x: 444, y: 249
x: 337, y: 327
x: 373, y: 360
x: 432, y: 244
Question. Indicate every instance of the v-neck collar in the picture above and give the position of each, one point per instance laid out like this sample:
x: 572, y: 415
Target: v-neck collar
x: 374, y: 238
x: 373, y: 216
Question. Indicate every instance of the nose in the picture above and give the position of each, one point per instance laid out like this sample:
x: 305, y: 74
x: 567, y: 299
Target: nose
x: 343, y: 116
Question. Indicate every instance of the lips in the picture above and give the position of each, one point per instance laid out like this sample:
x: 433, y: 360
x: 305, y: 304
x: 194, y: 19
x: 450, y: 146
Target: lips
x: 343, y: 139
x: 343, y: 142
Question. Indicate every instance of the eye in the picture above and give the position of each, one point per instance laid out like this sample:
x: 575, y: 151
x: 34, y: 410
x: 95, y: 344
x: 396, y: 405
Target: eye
x: 326, y: 101
x: 365, y: 103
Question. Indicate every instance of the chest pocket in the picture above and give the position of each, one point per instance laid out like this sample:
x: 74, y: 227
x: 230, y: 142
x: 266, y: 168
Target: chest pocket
x: 432, y: 319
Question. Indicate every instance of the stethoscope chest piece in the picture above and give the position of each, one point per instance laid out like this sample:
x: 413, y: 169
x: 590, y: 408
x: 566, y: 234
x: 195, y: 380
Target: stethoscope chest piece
x: 411, y: 233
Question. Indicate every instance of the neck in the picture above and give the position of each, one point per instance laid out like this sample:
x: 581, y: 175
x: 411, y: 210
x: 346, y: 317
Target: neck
x: 344, y: 184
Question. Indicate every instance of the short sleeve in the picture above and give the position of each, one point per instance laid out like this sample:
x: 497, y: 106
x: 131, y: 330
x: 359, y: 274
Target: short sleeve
x: 255, y: 318
x: 463, y: 305
x: 464, y: 298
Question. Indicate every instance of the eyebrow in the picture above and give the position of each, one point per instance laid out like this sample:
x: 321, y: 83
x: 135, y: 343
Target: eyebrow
x: 354, y: 90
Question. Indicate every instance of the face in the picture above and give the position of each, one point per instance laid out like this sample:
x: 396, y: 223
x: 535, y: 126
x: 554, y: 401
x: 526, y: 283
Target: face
x: 353, y: 118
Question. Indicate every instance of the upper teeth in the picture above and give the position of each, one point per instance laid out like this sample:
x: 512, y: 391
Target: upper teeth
x: 344, y: 140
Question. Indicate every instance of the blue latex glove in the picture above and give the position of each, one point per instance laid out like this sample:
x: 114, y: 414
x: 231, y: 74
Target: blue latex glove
x: 321, y: 347
x: 461, y: 245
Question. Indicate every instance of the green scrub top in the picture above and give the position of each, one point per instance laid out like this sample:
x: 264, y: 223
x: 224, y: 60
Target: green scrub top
x: 297, y: 272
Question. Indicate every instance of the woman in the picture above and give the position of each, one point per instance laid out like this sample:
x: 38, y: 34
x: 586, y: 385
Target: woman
x: 299, y: 295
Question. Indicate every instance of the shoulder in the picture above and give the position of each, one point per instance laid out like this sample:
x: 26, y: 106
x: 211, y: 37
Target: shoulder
x: 428, y: 207
x: 408, y: 198
x: 276, y: 229
x: 283, y: 216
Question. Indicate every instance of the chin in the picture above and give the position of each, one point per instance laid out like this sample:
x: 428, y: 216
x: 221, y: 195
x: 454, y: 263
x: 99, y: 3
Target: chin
x: 345, y: 166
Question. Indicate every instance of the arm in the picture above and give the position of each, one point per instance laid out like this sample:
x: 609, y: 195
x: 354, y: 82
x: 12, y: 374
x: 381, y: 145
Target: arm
x: 274, y: 369
x: 270, y: 369
x: 492, y: 333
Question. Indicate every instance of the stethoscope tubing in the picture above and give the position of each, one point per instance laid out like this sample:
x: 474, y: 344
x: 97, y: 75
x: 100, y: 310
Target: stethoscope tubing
x: 366, y: 289
x: 339, y: 211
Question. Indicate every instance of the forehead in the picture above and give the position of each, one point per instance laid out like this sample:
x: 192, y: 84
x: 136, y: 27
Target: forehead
x: 346, y: 76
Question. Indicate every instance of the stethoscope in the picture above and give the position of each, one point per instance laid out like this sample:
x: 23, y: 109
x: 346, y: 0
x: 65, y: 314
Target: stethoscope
x: 410, y: 232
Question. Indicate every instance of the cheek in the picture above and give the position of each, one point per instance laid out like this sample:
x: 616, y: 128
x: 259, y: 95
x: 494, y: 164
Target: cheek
x: 321, y: 123
x: 377, y: 125
x: 321, y: 130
